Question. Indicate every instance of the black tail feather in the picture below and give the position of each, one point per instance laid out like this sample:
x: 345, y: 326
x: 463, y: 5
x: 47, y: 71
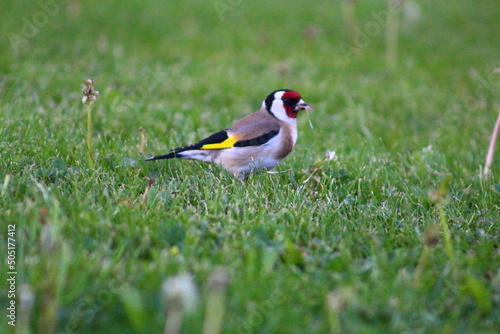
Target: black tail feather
x: 165, y: 156
x: 218, y: 137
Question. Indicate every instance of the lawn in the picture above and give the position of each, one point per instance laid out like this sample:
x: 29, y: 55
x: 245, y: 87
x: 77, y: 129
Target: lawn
x: 380, y: 221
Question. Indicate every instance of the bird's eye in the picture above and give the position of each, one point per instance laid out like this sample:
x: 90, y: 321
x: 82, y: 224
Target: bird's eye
x: 286, y: 101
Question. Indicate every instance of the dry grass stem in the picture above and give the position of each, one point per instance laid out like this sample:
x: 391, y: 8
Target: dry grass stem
x: 491, y: 149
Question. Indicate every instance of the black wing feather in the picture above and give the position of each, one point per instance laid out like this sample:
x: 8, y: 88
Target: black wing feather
x: 260, y: 140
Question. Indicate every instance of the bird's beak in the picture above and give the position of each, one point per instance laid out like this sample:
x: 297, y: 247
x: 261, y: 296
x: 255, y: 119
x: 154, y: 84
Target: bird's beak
x: 302, y: 106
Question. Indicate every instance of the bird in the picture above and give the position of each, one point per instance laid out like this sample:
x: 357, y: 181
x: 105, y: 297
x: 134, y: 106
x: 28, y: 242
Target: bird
x: 256, y: 142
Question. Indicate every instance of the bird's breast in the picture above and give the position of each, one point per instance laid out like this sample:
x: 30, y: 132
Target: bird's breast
x: 267, y: 156
x: 285, y: 141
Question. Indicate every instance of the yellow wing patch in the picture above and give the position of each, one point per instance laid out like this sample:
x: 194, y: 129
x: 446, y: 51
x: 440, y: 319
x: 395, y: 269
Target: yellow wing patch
x: 228, y: 143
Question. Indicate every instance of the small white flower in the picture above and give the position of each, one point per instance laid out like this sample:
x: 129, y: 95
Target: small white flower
x: 427, y: 149
x: 331, y: 156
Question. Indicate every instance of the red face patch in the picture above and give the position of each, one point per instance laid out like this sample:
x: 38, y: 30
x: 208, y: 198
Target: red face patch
x: 290, y: 111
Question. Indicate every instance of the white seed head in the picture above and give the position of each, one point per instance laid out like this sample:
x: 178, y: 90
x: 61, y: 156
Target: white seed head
x: 180, y: 289
x: 89, y: 92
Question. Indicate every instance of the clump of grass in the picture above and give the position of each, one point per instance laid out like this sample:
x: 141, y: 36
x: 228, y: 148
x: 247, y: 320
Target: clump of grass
x: 144, y: 140
x: 216, y: 302
x: 429, y: 241
x: 335, y: 302
x: 392, y: 32
x: 26, y: 305
x: 54, y: 248
x: 349, y: 17
x: 440, y: 197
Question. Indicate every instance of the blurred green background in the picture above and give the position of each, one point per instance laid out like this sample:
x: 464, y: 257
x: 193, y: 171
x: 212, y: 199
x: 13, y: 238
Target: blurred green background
x: 406, y: 106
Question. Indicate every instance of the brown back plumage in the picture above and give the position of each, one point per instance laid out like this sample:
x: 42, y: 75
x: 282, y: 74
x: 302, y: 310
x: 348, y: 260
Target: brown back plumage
x: 260, y: 123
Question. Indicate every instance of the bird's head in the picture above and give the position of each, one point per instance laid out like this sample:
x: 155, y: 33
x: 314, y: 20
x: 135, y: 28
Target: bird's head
x: 284, y: 104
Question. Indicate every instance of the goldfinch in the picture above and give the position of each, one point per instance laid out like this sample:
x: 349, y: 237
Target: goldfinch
x: 256, y: 142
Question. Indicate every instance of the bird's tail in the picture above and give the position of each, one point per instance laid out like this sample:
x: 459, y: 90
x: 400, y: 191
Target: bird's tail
x: 170, y: 155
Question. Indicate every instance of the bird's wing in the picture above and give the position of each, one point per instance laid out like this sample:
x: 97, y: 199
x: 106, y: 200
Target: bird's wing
x: 255, y: 134
x: 249, y: 135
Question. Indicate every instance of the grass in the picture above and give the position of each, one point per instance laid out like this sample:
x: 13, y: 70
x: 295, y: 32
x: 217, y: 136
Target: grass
x: 397, y: 234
